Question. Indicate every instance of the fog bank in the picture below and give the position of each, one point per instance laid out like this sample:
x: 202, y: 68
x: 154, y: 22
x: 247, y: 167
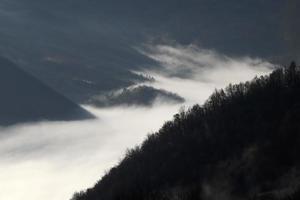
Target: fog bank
x: 52, y: 160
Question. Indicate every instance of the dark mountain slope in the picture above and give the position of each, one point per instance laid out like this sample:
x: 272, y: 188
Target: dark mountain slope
x: 26, y: 99
x: 243, y: 143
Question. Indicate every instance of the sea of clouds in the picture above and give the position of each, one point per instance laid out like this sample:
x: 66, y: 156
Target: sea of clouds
x: 52, y: 160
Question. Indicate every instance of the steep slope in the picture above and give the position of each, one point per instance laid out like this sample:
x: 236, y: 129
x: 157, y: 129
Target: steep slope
x: 243, y: 143
x: 26, y: 99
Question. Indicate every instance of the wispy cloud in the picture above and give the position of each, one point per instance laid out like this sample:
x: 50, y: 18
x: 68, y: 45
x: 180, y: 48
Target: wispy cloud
x: 194, y: 73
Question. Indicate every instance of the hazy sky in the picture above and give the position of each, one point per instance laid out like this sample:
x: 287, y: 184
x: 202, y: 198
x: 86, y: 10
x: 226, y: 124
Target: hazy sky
x: 52, y: 160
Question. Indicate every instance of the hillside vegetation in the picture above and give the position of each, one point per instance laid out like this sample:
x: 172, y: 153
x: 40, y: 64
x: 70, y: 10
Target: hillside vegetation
x: 243, y: 143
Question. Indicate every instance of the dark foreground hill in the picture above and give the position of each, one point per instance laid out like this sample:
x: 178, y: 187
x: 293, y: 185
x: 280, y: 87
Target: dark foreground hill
x: 243, y: 143
x: 26, y: 99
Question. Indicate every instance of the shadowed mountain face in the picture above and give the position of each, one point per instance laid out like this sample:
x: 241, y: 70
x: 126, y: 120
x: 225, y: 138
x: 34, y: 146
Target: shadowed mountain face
x: 82, y: 48
x: 26, y: 99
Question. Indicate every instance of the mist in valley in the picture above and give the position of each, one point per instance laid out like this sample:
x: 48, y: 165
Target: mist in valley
x: 52, y: 160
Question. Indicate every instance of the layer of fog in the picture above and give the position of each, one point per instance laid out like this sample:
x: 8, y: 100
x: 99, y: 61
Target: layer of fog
x: 52, y: 160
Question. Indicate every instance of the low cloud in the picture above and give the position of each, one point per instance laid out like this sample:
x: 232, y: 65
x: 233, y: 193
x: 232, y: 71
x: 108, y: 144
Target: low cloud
x: 52, y: 160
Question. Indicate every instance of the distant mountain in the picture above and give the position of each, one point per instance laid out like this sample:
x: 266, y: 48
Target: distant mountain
x: 242, y: 144
x: 69, y: 44
x: 26, y: 99
x: 137, y: 96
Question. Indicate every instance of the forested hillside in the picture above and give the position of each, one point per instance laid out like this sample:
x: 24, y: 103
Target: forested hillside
x: 243, y: 143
